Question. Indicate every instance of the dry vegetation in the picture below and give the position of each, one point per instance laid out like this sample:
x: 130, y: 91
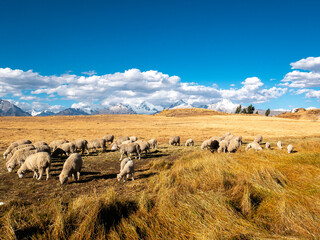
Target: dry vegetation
x: 180, y: 192
x: 302, y: 114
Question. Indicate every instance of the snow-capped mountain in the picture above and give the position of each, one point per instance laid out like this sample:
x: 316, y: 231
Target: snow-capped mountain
x: 116, y: 109
x: 9, y: 109
x: 224, y: 105
x: 72, y: 112
x: 45, y: 113
x: 34, y: 113
x: 180, y: 104
x: 147, y: 108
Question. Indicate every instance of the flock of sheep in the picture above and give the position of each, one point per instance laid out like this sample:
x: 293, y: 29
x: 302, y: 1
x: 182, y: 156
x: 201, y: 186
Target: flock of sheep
x: 36, y: 157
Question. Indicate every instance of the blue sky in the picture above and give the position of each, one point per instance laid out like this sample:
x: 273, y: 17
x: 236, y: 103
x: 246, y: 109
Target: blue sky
x: 211, y: 43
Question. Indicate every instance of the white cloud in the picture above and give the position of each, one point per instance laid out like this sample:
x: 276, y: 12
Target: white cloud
x: 309, y: 63
x: 129, y: 87
x: 90, y: 73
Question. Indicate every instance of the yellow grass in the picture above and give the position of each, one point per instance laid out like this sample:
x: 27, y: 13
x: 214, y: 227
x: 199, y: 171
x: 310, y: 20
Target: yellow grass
x: 191, y: 194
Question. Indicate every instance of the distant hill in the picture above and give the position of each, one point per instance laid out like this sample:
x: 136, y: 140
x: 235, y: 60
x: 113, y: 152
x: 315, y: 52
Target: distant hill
x: 302, y: 114
x: 9, y: 109
x: 71, y: 112
x: 189, y: 112
x: 45, y: 113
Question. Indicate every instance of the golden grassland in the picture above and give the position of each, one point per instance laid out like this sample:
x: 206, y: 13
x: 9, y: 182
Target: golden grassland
x: 180, y: 192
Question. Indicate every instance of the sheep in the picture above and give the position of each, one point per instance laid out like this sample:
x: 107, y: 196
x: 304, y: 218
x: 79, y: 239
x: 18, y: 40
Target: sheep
x: 254, y: 145
x: 219, y: 139
x: 153, y: 143
x: 109, y: 138
x: 238, y: 138
x: 268, y: 145
x: 127, y: 169
x: 97, y: 143
x: 223, y: 146
x: 38, y: 162
x: 56, y: 143
x: 206, y: 143
x: 127, y: 141
x: 81, y: 144
x: 123, y: 162
x: 229, y: 137
x: 133, y: 138
x: 42, y: 147
x: 175, y: 140
x: 129, y: 149
x: 19, y: 157
x: 144, y: 146
x: 258, y: 139
x: 17, y: 148
x: 279, y: 145
x: 233, y: 145
x: 68, y: 148
x: 72, y: 166
x: 58, y: 152
x: 214, y: 145
x: 189, y: 142
x: 15, y: 144
x: 290, y: 148
x: 119, y: 140
x: 225, y: 135
x: 40, y: 143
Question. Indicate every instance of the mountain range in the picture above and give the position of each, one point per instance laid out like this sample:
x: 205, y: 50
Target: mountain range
x: 9, y: 109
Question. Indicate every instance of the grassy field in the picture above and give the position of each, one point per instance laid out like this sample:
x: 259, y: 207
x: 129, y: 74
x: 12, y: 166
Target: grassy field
x: 179, y: 192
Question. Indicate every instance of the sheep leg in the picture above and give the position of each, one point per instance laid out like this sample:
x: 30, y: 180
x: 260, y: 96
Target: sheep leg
x: 35, y: 174
x: 47, y: 172
x: 88, y: 151
x: 139, y: 156
x: 132, y: 176
x: 121, y: 156
x: 78, y: 175
x: 124, y: 178
x: 75, y: 176
x: 40, y: 173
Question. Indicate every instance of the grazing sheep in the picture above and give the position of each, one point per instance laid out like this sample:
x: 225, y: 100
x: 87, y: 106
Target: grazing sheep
x: 233, y: 145
x: 206, y: 143
x: 109, y: 138
x: 58, y: 152
x: 38, y: 162
x: 115, y: 146
x: 144, y: 146
x: 56, y: 143
x: 153, y: 143
x: 225, y: 135
x: 124, y: 162
x: 127, y: 141
x: 68, y: 148
x: 254, y: 145
x: 238, y: 138
x: 133, y: 138
x: 127, y: 170
x: 223, y: 146
x: 19, y: 157
x: 130, y: 149
x: 258, y: 139
x: 214, y: 146
x: 40, y: 143
x: 268, y: 145
x: 290, y: 148
x: 219, y: 139
x: 175, y: 140
x: 279, y: 145
x: 97, y: 143
x: 42, y: 147
x: 15, y: 144
x: 229, y: 137
x: 119, y: 140
x: 189, y: 142
x: 81, y: 144
x: 72, y: 166
x: 17, y: 148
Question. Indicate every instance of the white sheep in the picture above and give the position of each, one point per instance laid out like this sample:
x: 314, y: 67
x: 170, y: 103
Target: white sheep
x: 109, y: 138
x: 225, y: 135
x: 72, y: 166
x: 124, y: 162
x: 189, y: 142
x: 129, y: 149
x: 153, y: 143
x: 233, y: 145
x: 206, y: 143
x: 15, y: 144
x: 254, y: 145
x: 219, y: 139
x: 19, y: 157
x: 18, y: 148
x: 97, y: 143
x: 279, y: 145
x: 290, y: 148
x: 68, y: 148
x: 238, y: 138
x: 81, y: 144
x: 174, y: 140
x: 268, y: 145
x: 229, y: 137
x: 38, y: 162
x: 56, y: 143
x: 133, y: 138
x: 119, y: 140
x: 223, y: 146
x: 127, y: 170
x: 144, y: 146
x: 258, y: 139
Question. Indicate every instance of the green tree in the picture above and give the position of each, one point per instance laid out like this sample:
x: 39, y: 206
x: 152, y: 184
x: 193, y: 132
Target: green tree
x: 267, y: 112
x: 257, y: 112
x: 238, y: 110
x: 250, y: 109
x: 244, y: 111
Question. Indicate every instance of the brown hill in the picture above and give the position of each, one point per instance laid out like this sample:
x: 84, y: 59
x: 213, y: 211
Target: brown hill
x: 189, y: 112
x: 302, y: 114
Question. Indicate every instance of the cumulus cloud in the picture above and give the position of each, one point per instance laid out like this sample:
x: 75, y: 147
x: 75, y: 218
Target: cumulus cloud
x: 90, y: 73
x: 129, y: 87
x: 301, y: 79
